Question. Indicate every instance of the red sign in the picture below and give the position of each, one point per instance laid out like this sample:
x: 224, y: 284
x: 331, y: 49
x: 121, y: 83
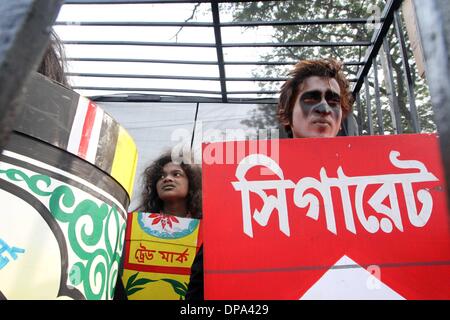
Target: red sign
x: 326, y: 218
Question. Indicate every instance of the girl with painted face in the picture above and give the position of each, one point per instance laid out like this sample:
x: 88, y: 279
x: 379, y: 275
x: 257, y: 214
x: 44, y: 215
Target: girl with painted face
x: 172, y: 188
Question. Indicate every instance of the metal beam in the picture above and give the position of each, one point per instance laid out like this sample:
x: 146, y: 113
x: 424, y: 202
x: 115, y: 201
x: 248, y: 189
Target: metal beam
x: 303, y: 22
x: 377, y: 40
x: 132, y: 24
x: 169, y: 77
x: 194, y: 62
x: 224, y: 45
x: 195, y: 125
x: 407, y: 74
x: 396, y: 121
x: 124, y: 89
x: 210, y: 24
x: 112, y: 2
x: 135, y: 60
x: 24, y: 34
x: 359, y: 119
x: 139, y: 76
x: 145, y: 97
x: 140, y: 43
x: 433, y: 17
x: 298, y: 44
x: 377, y: 97
x: 368, y: 106
x: 219, y: 49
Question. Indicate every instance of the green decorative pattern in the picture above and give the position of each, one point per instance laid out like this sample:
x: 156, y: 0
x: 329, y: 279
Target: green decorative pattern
x: 133, y: 284
x: 88, y: 232
x: 179, y: 288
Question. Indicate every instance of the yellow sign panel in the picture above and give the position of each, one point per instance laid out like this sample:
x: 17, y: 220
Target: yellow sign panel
x: 159, y: 252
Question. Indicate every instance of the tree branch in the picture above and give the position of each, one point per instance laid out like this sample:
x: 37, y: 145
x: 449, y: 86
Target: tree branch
x: 188, y: 19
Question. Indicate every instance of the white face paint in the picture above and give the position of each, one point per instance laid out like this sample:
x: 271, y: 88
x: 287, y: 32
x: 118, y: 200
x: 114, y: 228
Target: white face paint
x: 317, y: 111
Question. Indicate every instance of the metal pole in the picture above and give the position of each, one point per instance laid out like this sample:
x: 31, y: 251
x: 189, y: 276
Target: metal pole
x: 377, y: 98
x: 195, y: 125
x: 396, y: 121
x: 368, y: 107
x: 433, y: 18
x: 219, y: 49
x: 360, y: 115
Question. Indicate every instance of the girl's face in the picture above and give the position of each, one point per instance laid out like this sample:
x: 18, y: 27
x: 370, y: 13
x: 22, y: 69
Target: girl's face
x: 173, y: 183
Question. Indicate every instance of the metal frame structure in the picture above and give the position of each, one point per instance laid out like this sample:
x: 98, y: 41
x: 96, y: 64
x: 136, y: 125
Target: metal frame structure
x: 225, y: 95
x: 372, y: 46
x: 389, y: 19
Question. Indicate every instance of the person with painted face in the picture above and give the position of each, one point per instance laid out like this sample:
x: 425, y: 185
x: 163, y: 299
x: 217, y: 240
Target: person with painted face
x: 313, y: 103
x: 315, y: 99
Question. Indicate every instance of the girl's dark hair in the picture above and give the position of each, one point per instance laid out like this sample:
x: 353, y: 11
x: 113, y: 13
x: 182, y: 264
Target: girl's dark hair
x: 53, y: 63
x: 150, y: 199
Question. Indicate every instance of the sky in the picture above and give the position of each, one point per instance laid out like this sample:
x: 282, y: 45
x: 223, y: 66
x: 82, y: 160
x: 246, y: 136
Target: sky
x: 71, y: 31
